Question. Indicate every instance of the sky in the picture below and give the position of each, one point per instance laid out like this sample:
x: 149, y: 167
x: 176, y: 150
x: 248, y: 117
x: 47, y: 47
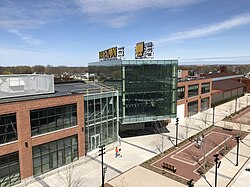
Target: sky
x: 72, y: 32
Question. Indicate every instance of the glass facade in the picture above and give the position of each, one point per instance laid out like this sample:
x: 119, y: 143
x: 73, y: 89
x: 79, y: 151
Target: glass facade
x: 49, y: 156
x: 193, y: 90
x: 205, y: 88
x: 204, y: 104
x: 8, y: 130
x: 192, y: 108
x: 147, y: 88
x: 9, y: 170
x: 101, y: 124
x: 53, y: 118
x: 180, y: 93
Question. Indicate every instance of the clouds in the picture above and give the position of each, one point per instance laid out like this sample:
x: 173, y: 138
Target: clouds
x: 27, y: 38
x: 30, y: 14
x: 217, y: 60
x: 114, y: 13
x: 119, y: 13
x: 207, y: 30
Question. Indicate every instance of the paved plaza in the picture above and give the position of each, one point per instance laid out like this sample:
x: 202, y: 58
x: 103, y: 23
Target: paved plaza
x: 190, y: 157
x: 125, y: 170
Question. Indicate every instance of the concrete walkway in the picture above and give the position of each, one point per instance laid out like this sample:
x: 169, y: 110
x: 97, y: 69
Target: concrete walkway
x: 136, y: 150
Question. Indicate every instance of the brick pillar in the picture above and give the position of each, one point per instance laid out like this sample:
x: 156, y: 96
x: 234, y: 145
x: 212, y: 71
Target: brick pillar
x: 199, y: 98
x: 24, y: 140
x: 186, y: 101
x: 81, y: 129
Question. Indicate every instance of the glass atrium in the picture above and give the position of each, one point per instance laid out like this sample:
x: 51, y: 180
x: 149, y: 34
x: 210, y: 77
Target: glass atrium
x: 147, y: 88
x: 100, y: 115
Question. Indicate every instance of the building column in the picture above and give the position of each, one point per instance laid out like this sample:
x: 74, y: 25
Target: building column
x: 186, y: 101
x: 24, y: 140
x: 80, y: 124
x: 199, y: 98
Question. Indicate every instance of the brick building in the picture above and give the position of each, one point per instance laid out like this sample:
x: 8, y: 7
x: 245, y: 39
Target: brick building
x: 43, y: 127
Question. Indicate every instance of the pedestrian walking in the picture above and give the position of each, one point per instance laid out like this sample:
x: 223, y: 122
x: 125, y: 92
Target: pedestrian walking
x: 116, y: 152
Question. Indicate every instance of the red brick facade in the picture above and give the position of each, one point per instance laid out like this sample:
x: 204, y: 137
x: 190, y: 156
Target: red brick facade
x: 25, y: 142
x: 198, y: 98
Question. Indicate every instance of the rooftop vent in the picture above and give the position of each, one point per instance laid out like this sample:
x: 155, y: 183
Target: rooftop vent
x: 25, y: 84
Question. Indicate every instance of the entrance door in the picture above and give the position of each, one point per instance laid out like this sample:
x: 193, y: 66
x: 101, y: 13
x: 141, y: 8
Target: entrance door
x: 95, y: 141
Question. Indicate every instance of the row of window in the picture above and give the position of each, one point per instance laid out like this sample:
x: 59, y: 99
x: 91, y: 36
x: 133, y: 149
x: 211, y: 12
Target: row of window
x: 53, y: 118
x: 41, y: 120
x: 49, y: 156
x: 193, y: 106
x: 193, y: 90
x: 46, y: 157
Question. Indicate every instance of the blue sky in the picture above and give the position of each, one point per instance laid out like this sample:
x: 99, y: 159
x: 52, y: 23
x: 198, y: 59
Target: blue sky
x: 72, y: 32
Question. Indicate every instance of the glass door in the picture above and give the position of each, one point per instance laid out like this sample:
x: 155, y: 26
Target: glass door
x: 95, y: 141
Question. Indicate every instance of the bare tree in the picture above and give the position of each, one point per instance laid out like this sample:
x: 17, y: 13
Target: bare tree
x: 187, y: 123
x: 204, y: 119
x: 70, y: 177
x: 159, y: 143
x: 230, y: 108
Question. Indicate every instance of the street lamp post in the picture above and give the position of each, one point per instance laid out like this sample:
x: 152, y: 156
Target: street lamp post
x: 102, y: 149
x: 217, y: 165
x: 235, y: 105
x: 238, y: 146
x: 213, y: 113
x: 176, y: 136
x: 190, y: 183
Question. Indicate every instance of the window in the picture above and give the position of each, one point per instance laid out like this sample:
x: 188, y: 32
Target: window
x: 9, y: 169
x: 193, y: 90
x: 204, y: 104
x: 192, y: 108
x: 53, y: 118
x: 180, y: 93
x: 205, y: 88
x: 49, y: 156
x: 8, y: 131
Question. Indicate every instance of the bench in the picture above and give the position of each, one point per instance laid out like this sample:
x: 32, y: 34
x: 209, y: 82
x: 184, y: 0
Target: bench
x: 228, y: 127
x: 170, y: 167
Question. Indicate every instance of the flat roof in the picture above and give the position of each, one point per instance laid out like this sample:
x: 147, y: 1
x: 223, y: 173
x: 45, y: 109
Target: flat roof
x: 64, y: 89
x: 119, y: 62
x: 226, y: 85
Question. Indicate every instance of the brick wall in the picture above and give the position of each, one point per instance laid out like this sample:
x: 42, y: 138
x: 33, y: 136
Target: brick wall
x: 25, y: 141
x: 198, y: 98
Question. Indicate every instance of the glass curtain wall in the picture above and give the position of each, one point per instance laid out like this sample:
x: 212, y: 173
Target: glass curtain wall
x: 149, y: 88
x: 53, y: 118
x: 8, y: 130
x: 101, y: 125
x: 9, y: 170
x: 49, y: 156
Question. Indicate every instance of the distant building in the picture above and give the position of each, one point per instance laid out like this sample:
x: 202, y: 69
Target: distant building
x: 223, y: 69
x: 182, y: 73
x: 246, y: 81
x: 224, y: 90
